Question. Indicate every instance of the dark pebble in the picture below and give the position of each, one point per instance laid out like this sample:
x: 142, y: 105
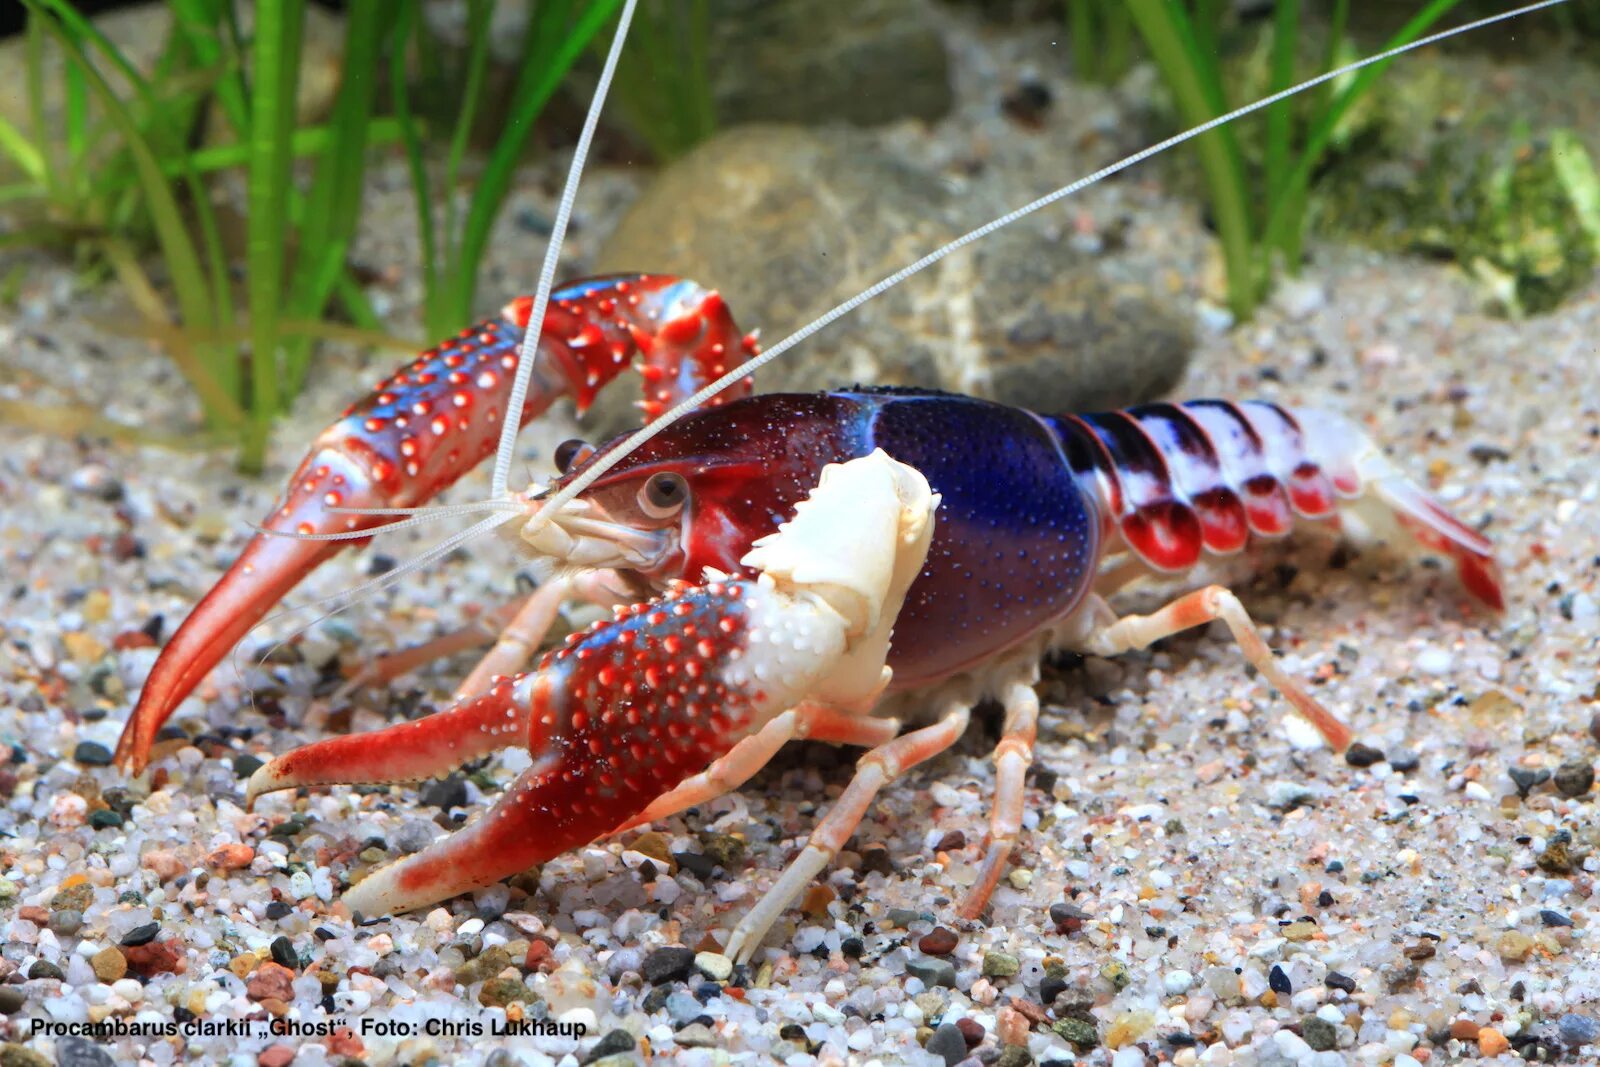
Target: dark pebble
x: 141, y: 935
x: 972, y: 1031
x: 246, y: 765
x: 1278, y: 981
x: 92, y: 754
x: 1525, y: 779
x: 1051, y: 988
x: 614, y: 1043
x: 11, y: 999
x: 696, y: 863
x: 932, y: 971
x: 1320, y: 1034
x: 875, y: 860
x: 446, y: 794
x: 1068, y: 918
x: 1335, y: 980
x: 119, y: 800
x: 1553, y: 918
x: 324, y: 934
x: 949, y: 1043
x: 951, y: 841
x: 656, y: 999
x: 853, y: 947
x: 1027, y: 103
x: 278, y: 910
x: 1337, y: 866
x: 105, y: 819
x: 45, y: 969
x: 1182, y: 1039
x: 288, y: 827
x: 283, y: 953
x: 379, y: 564
x: 941, y: 941
x: 1594, y: 726
x: 81, y: 1052
x: 1325, y: 899
x: 1404, y: 762
x: 1575, y: 777
x: 1361, y: 755
x: 668, y: 965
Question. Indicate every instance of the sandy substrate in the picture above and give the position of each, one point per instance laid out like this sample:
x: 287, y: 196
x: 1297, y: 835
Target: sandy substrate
x: 1194, y: 883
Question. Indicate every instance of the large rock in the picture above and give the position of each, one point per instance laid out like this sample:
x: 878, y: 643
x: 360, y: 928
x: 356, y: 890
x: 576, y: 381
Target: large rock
x: 806, y: 61
x: 787, y: 222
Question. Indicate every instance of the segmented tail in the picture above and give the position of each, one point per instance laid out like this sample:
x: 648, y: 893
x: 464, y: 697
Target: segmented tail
x: 1175, y: 481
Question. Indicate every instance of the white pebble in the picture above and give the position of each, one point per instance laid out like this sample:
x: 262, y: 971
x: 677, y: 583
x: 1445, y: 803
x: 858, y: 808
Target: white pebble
x: 1301, y: 735
x: 1433, y: 660
x: 581, y: 1017
x: 1177, y: 982
x: 1128, y: 1056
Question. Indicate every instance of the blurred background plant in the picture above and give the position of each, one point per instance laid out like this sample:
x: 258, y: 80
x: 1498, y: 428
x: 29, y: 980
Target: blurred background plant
x: 1259, y: 201
x: 1524, y: 230
x: 663, y: 82
x: 118, y: 161
x: 453, y: 244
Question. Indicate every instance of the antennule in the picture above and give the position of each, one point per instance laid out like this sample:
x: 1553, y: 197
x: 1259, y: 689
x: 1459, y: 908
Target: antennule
x: 617, y: 455
x: 418, y: 516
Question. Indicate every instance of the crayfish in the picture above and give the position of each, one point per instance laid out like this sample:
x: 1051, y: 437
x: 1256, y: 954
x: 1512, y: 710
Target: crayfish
x: 823, y: 565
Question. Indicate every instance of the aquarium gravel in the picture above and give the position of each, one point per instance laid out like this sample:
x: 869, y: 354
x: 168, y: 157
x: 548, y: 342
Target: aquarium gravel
x: 1198, y: 881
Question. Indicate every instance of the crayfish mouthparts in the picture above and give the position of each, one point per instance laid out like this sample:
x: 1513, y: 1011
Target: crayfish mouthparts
x: 648, y: 713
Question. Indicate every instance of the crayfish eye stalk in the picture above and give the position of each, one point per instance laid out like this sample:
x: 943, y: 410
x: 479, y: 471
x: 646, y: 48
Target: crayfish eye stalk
x: 603, y: 532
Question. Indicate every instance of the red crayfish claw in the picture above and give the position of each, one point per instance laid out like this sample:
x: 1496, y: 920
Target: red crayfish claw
x: 428, y: 424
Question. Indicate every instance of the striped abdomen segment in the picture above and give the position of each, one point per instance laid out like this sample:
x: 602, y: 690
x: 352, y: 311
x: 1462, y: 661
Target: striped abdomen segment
x: 1177, y: 479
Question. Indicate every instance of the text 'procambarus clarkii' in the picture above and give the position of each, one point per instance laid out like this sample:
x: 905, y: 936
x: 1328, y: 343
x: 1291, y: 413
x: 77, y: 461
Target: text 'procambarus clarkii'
x: 979, y: 536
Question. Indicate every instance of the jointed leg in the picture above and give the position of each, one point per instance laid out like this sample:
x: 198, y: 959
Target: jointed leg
x: 1012, y: 758
x: 816, y: 721
x: 393, y: 664
x: 518, y: 639
x: 1203, y: 606
x: 878, y: 767
x: 519, y: 626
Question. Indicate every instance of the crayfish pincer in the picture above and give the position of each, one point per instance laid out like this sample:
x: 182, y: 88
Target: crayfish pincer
x: 670, y: 702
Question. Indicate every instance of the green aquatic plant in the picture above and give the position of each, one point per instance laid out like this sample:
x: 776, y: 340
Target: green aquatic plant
x: 1260, y: 212
x: 453, y: 244
x: 1102, y: 39
x: 103, y: 198
x: 663, y: 83
x: 121, y: 170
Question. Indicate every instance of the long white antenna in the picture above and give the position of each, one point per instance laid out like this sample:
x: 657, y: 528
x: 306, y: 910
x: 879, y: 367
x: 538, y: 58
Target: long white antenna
x: 547, y: 272
x: 617, y: 455
x: 513, y: 418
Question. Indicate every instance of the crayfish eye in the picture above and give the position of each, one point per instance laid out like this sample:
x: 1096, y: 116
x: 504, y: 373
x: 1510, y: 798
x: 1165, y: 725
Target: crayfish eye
x: 663, y: 494
x: 572, y: 452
